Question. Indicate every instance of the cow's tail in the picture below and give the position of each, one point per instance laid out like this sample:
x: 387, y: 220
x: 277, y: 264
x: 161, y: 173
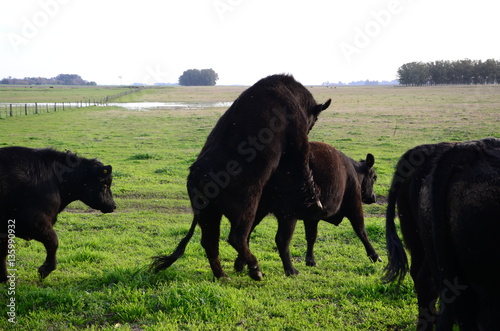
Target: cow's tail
x: 162, y: 262
x: 397, y: 267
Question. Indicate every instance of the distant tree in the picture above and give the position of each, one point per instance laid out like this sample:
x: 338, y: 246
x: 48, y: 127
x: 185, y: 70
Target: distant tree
x: 446, y: 72
x: 195, y: 77
x: 70, y: 79
x: 62, y: 79
x: 413, y: 73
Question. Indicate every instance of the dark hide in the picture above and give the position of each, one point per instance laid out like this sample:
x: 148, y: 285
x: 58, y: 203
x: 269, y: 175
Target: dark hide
x: 411, y: 171
x: 463, y: 194
x: 262, y: 133
x: 344, y: 185
x: 419, y: 172
x: 37, y: 184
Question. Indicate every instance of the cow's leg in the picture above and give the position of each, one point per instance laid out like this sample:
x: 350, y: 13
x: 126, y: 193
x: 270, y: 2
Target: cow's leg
x: 209, y: 222
x: 241, y: 224
x: 3, y: 260
x: 48, y: 238
x: 427, y: 292
x: 240, y: 262
x: 238, y: 238
x: 311, y: 227
x: 358, y: 224
x: 286, y: 227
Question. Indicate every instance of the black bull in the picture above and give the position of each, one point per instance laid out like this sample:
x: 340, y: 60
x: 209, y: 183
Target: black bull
x: 448, y: 199
x: 37, y: 184
x: 262, y: 133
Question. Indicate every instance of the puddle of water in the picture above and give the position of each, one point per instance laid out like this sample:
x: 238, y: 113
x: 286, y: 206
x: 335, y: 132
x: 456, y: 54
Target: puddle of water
x: 145, y: 106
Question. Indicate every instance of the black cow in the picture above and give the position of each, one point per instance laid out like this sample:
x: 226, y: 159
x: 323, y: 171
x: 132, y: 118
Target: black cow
x: 344, y: 184
x: 463, y: 195
x: 448, y: 198
x: 37, y: 184
x: 412, y: 169
x: 263, y: 132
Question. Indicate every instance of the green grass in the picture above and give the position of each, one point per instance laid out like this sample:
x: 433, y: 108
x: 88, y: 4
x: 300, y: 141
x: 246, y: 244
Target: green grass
x: 102, y: 281
x: 55, y: 93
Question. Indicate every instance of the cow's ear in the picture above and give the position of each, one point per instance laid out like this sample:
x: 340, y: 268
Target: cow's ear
x: 370, y: 160
x: 322, y: 106
x: 104, y: 171
x: 326, y: 104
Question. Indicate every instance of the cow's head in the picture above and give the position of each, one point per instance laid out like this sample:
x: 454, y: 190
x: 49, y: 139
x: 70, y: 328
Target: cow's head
x: 367, y: 178
x: 316, y: 111
x: 96, y: 190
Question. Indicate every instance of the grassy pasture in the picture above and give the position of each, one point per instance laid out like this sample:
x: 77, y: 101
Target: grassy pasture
x: 55, y: 93
x: 102, y: 282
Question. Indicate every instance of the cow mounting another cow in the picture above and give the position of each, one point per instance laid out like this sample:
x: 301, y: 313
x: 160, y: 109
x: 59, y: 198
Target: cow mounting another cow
x: 264, y: 132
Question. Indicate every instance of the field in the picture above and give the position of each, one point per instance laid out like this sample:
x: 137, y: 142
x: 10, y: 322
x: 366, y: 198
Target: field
x: 43, y: 93
x: 102, y: 281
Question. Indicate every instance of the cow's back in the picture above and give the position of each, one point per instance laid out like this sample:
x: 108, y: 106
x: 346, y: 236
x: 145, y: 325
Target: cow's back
x: 21, y: 169
x: 254, y: 127
x: 253, y: 138
x: 26, y: 182
x: 333, y: 174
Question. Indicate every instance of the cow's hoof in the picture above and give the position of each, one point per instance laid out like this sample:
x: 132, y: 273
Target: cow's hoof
x: 224, y: 279
x: 239, y: 265
x: 311, y: 263
x: 44, y: 271
x: 291, y: 272
x: 255, y: 273
x: 376, y: 258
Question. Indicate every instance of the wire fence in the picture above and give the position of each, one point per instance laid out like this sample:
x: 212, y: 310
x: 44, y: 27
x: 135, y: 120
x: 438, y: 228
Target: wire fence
x: 24, y: 109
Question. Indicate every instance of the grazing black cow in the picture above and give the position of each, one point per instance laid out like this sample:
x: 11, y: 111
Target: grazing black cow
x: 37, y: 184
x: 344, y: 184
x: 448, y: 205
x: 263, y: 132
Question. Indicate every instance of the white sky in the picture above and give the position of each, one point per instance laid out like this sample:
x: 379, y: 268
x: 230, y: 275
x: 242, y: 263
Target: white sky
x: 151, y: 41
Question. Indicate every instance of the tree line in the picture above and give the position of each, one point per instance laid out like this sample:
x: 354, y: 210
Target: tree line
x: 195, y: 77
x: 450, y: 72
x: 61, y: 79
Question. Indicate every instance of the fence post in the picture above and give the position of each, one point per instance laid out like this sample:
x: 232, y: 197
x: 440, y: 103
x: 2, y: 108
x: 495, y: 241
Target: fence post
x: 36, y: 108
x: 10, y: 110
x: 25, y: 109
